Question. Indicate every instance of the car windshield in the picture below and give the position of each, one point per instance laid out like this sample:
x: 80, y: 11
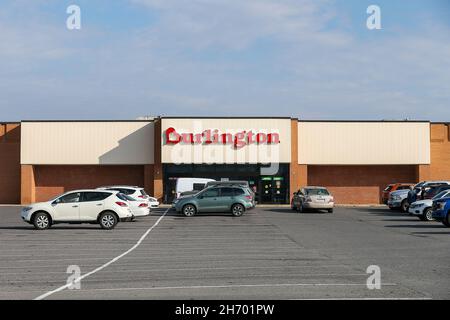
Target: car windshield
x: 441, y: 194
x: 317, y: 192
x: 419, y: 185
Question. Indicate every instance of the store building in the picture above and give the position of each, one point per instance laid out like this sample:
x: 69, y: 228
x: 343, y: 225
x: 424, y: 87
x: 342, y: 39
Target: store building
x: 354, y: 159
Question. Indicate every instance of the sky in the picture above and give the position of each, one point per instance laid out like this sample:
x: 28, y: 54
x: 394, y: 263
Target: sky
x: 311, y: 59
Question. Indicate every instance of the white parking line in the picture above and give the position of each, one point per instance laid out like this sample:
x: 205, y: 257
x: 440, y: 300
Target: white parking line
x: 243, y: 286
x: 45, y: 295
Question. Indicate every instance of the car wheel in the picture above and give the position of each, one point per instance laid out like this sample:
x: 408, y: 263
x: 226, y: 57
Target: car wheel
x: 446, y: 221
x: 427, y: 215
x: 237, y: 210
x: 404, y: 206
x: 330, y: 210
x: 189, y: 210
x: 108, y: 220
x: 41, y: 221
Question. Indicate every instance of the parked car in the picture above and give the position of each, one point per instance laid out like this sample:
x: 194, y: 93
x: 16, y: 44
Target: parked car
x: 241, y: 183
x: 399, y: 199
x: 80, y: 206
x: 216, y: 199
x: 432, y: 191
x: 190, y: 184
x: 394, y: 187
x: 441, y: 211
x: 139, y: 208
x: 135, y: 192
x: 233, y: 183
x: 188, y: 193
x: 424, y: 208
x: 318, y: 198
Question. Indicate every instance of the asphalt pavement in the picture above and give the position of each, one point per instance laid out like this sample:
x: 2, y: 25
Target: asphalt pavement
x: 269, y: 253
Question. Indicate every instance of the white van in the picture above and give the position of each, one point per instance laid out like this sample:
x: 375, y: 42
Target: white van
x: 190, y: 184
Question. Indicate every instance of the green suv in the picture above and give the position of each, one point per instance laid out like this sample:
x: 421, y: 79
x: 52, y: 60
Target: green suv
x: 216, y: 199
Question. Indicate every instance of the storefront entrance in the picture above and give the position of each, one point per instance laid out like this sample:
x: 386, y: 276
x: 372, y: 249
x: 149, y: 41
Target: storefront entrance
x: 268, y: 189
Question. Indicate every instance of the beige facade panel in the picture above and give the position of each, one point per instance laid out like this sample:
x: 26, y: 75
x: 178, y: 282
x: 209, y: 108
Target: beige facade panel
x: 224, y: 140
x: 86, y: 143
x: 359, y: 143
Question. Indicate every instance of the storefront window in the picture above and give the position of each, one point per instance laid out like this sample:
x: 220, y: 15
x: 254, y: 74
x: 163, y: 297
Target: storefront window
x: 267, y: 189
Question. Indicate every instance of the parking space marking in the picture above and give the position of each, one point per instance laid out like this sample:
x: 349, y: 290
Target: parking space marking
x: 45, y: 295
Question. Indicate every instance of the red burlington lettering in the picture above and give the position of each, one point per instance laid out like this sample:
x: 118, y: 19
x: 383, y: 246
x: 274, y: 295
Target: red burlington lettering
x: 273, y: 138
x: 250, y: 137
x: 187, y: 138
x: 176, y: 137
x: 207, y: 135
x: 226, y: 138
x: 238, y: 140
x: 261, y: 138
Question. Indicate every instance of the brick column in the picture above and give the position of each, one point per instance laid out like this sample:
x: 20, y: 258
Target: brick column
x: 298, y: 172
x: 148, y: 179
x: 423, y: 172
x: 157, y: 167
x: 27, y: 186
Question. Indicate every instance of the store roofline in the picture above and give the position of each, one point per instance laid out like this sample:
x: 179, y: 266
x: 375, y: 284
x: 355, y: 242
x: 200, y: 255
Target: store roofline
x: 370, y: 121
x: 132, y: 120
x: 223, y: 117
x: 258, y: 117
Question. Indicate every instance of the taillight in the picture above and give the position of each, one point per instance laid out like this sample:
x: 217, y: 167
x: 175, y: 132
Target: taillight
x: 121, y: 204
x: 331, y: 199
x: 142, y: 197
x: 249, y: 198
x: 143, y: 205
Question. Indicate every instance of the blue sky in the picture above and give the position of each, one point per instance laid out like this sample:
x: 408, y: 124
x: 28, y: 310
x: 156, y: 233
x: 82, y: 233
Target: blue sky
x: 312, y: 59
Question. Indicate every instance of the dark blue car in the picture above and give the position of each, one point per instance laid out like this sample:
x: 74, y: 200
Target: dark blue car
x: 441, y: 211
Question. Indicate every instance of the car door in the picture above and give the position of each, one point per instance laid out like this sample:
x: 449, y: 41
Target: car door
x: 92, y: 204
x: 226, y: 198
x: 208, y: 200
x: 66, y: 207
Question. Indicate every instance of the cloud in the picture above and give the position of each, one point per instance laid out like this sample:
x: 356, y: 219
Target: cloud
x: 227, y: 58
x: 236, y: 25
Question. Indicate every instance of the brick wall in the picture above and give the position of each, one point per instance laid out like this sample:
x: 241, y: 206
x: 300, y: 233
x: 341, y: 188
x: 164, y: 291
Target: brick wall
x: 54, y: 180
x: 439, y: 168
x: 9, y: 163
x: 359, y: 184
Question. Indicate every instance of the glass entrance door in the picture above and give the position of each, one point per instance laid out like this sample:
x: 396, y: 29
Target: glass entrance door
x: 273, y: 190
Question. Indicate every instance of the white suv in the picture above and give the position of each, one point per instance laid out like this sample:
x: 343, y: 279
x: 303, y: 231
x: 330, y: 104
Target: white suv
x: 79, y: 206
x: 135, y: 192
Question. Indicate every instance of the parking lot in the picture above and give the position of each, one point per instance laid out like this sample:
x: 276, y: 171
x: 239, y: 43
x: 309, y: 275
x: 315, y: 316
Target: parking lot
x: 269, y: 253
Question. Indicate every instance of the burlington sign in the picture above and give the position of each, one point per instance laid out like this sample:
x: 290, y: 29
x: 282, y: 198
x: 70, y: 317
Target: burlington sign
x: 214, y: 136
